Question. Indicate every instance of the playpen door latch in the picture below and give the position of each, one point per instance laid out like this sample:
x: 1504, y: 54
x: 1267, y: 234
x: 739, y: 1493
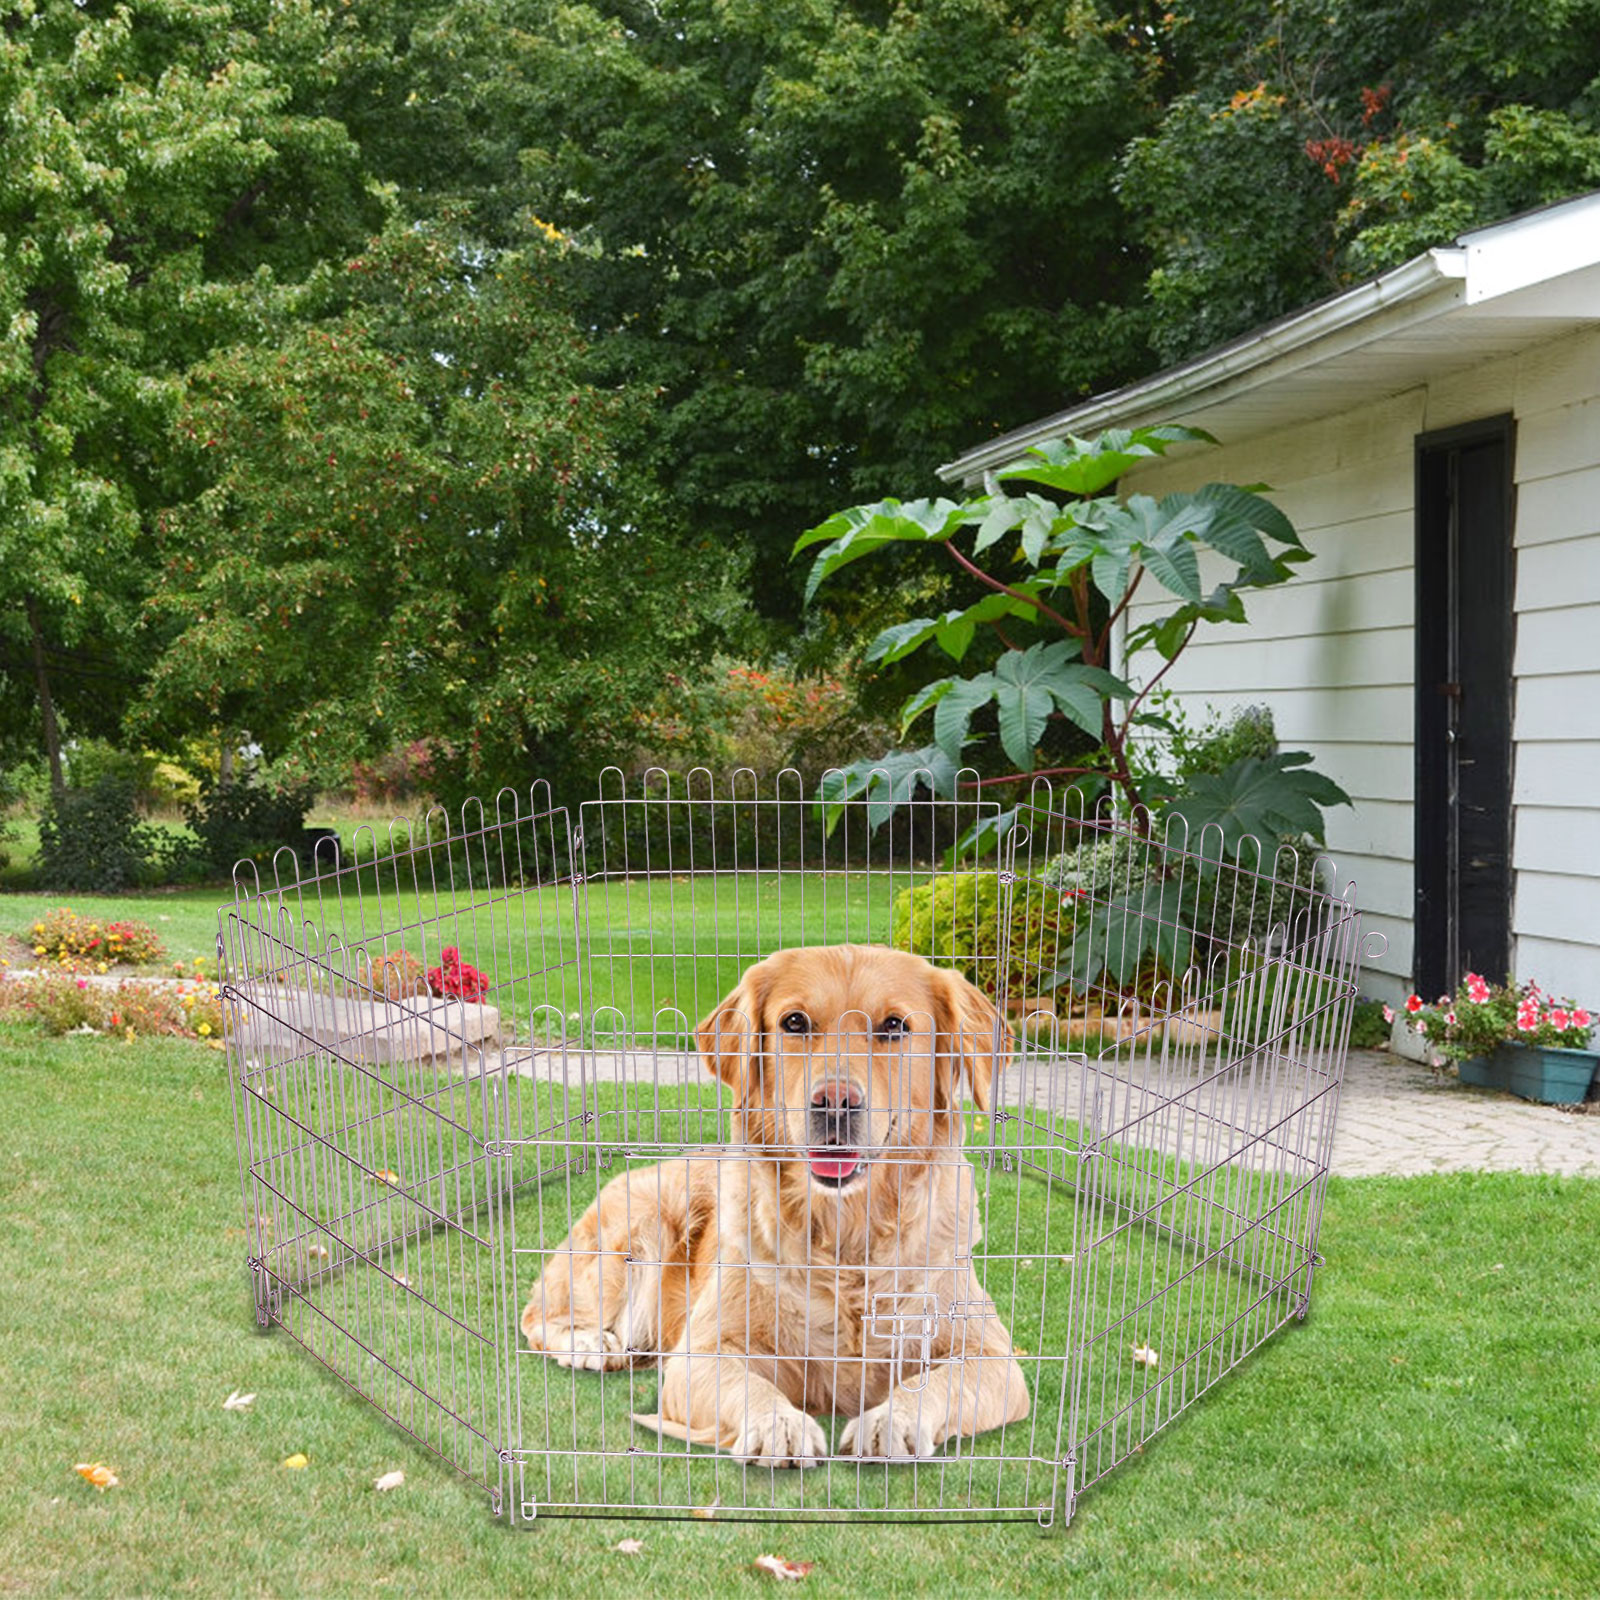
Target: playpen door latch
x: 908, y: 1322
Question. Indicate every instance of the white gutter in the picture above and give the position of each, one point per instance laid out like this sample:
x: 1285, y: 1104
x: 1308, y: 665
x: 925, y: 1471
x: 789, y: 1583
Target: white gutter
x: 1426, y: 286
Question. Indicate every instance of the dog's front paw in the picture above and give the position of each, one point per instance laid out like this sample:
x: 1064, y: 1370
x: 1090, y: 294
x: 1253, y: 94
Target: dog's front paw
x: 899, y: 1429
x: 585, y: 1349
x: 781, y: 1437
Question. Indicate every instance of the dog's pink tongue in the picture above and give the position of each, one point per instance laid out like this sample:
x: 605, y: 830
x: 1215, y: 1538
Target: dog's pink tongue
x: 839, y: 1166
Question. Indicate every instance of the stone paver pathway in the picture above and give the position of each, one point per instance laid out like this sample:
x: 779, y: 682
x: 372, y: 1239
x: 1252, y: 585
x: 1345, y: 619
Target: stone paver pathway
x: 1396, y: 1117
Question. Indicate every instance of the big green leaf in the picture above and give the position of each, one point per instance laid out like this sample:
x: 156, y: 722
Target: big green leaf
x: 1082, y: 467
x: 1114, y: 941
x: 1264, y: 798
x: 885, y: 784
x: 861, y: 530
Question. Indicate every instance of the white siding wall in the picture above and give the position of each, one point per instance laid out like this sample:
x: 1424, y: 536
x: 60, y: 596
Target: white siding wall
x: 1332, y: 651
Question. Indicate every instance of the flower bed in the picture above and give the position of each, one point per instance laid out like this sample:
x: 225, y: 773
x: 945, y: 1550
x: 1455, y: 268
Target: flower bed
x: 188, y: 1007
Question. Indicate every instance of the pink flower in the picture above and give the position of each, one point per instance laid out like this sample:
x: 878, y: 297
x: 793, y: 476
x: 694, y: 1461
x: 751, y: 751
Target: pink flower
x: 1414, y: 1004
x: 1388, y: 1013
x: 1558, y: 1019
x: 1477, y: 989
x: 1450, y: 1019
x: 1580, y: 1018
x: 1421, y: 1027
x: 83, y: 983
x: 1528, y: 1022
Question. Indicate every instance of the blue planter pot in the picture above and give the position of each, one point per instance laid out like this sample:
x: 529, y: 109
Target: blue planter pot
x: 1534, y: 1071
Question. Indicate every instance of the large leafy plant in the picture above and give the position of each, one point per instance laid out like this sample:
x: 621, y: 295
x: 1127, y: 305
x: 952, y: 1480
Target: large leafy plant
x: 1060, y: 559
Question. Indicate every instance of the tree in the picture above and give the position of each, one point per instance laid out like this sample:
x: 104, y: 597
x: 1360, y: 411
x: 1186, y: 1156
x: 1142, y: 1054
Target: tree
x: 1306, y: 146
x: 419, y: 526
x: 839, y: 240
x: 162, y: 177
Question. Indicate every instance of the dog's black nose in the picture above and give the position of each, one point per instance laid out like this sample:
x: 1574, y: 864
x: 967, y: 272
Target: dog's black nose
x: 837, y: 1095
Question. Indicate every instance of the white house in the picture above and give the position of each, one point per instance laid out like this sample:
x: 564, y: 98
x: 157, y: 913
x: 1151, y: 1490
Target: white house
x: 1435, y: 437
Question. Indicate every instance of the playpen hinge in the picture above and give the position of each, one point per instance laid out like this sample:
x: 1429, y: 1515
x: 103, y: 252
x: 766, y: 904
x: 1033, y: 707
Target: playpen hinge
x: 1316, y: 1258
x: 494, y: 1502
x: 494, y: 1149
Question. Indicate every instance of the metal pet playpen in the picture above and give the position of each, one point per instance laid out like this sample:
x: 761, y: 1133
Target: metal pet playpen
x: 443, y: 1050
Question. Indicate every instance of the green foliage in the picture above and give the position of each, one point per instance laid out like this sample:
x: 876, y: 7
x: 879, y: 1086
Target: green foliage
x: 164, y: 180
x: 839, y: 240
x: 419, y: 531
x: 92, y: 840
x: 1369, y: 1030
x: 726, y: 715
x: 1304, y: 147
x: 1265, y: 798
x: 242, y: 821
x: 954, y: 920
x: 1082, y: 560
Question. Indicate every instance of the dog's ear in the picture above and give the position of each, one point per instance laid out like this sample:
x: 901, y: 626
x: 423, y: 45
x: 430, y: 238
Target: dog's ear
x: 730, y: 1038
x: 975, y: 1037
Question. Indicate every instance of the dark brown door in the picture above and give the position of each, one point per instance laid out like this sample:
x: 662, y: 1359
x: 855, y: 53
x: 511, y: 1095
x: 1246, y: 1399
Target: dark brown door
x: 1464, y: 704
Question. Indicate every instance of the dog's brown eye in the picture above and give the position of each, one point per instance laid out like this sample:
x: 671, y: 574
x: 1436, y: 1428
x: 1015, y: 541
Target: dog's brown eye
x: 795, y: 1022
x: 891, y: 1027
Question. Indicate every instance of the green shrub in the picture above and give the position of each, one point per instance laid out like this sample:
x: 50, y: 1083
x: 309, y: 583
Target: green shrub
x: 242, y: 821
x: 954, y: 920
x: 92, y: 840
x: 1368, y: 1029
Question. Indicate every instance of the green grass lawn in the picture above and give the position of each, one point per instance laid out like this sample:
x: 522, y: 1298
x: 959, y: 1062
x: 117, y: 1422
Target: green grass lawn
x: 1427, y: 1431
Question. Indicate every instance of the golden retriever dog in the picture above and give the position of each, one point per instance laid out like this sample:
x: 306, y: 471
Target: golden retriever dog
x: 820, y: 1263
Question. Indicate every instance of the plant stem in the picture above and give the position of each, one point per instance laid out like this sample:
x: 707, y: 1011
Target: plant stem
x: 1016, y: 594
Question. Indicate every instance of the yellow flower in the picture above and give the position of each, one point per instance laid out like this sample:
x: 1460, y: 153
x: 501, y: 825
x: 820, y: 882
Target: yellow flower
x: 203, y: 1029
x: 129, y: 1036
x: 38, y: 949
x: 296, y: 1462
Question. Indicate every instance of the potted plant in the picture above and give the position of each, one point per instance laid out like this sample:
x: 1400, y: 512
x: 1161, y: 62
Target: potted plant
x: 1511, y: 1036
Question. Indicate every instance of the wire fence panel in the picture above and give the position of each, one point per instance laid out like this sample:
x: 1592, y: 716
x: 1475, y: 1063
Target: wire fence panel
x: 714, y: 1151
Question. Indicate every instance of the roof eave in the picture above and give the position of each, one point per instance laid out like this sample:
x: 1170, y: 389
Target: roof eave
x: 1424, y: 287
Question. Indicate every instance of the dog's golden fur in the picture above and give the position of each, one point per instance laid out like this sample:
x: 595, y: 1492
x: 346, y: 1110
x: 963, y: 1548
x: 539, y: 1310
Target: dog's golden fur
x: 768, y: 1289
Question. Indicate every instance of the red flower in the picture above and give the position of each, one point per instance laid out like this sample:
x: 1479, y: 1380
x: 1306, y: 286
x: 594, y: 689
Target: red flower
x: 1414, y: 1004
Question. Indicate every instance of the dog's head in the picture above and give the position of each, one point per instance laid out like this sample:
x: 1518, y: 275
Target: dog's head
x: 842, y: 1055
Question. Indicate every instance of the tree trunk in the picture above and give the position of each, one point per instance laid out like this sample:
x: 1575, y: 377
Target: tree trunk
x: 225, y: 763
x: 47, y: 706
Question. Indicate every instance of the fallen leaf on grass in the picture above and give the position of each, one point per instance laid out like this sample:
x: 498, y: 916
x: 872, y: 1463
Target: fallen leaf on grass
x: 238, y: 1402
x: 706, y: 1513
x: 629, y: 1547
x: 97, y: 1473
x: 403, y: 1281
x: 779, y: 1568
x: 296, y: 1462
x: 1145, y: 1356
x: 384, y: 1175
x: 1020, y: 1353
x: 390, y: 1480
